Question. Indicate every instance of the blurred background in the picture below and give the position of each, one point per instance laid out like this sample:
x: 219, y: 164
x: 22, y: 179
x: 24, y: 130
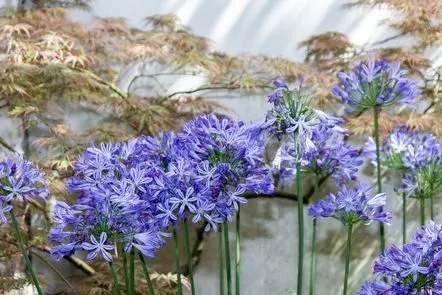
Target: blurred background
x: 73, y: 72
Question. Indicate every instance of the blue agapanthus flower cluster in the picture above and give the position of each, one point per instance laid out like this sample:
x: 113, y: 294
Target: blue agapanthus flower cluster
x: 19, y: 181
x: 423, y: 160
x: 351, y: 205
x: 292, y: 113
x: 376, y: 83
x: 394, y: 148
x: 414, y: 269
x: 331, y: 155
x: 228, y: 161
x: 117, y: 204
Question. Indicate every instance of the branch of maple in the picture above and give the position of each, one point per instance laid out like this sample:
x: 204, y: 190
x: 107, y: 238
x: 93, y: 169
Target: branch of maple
x: 156, y: 75
x: 387, y: 39
x: 110, y: 85
x: 7, y: 145
x: 214, y: 87
x: 75, y: 261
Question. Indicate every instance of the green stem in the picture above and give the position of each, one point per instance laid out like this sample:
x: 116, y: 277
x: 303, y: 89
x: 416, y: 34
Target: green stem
x: 221, y: 261
x: 432, y: 203
x: 23, y: 252
x: 146, y: 274
x: 114, y: 278
x: 227, y: 249
x: 378, y: 169
x: 189, y: 256
x: 177, y: 261
x: 347, y: 257
x: 300, y: 216
x: 313, y: 254
x: 404, y: 218
x: 126, y: 272
x: 132, y: 272
x: 422, y: 205
x: 238, y: 254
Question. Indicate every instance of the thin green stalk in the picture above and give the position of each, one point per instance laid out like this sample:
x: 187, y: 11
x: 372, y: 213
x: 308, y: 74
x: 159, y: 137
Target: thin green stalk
x: 227, y: 249
x: 432, y: 203
x: 378, y: 169
x: 313, y: 254
x: 300, y: 216
x: 126, y: 272
x: 422, y: 205
x: 177, y: 261
x: 347, y: 257
x: 146, y: 274
x: 404, y: 218
x: 132, y: 272
x: 221, y: 261
x: 114, y: 278
x: 189, y: 256
x: 23, y: 252
x: 238, y: 254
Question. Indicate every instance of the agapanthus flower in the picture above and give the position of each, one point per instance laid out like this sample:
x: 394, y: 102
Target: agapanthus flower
x: 376, y: 83
x: 351, y: 205
x: 19, y: 181
x: 292, y: 112
x: 116, y: 204
x: 331, y: 155
x: 227, y: 160
x: 394, y: 148
x: 423, y: 160
x: 416, y: 268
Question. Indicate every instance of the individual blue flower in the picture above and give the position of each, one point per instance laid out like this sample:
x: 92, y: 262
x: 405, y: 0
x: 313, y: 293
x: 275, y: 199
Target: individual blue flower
x: 96, y: 247
x: 3, y: 210
x: 374, y: 84
x: 351, y: 205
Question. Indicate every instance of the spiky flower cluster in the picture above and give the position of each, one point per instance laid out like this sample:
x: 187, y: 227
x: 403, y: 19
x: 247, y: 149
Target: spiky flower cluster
x: 19, y: 181
x: 393, y: 150
x: 322, y: 149
x: 292, y: 112
x: 117, y: 204
x: 130, y: 193
x: 227, y: 157
x: 414, y: 269
x: 351, y: 205
x: 331, y: 155
x: 423, y: 160
x: 375, y: 83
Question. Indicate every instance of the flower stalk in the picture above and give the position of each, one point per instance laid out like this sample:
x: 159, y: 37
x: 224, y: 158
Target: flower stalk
x: 300, y: 214
x: 177, y: 261
x: 189, y: 256
x: 19, y: 236
x: 146, y: 274
x: 114, y: 278
x: 238, y: 253
x: 378, y: 170
x: 347, y: 257
x: 227, y: 249
x: 313, y: 252
x: 221, y: 261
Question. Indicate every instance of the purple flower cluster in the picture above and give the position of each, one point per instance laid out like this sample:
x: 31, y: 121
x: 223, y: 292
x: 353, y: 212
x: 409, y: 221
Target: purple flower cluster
x: 351, y: 205
x: 375, y: 83
x: 330, y: 155
x: 292, y: 112
x: 228, y: 161
x: 20, y: 180
x: 130, y: 193
x: 116, y: 204
x: 423, y: 160
x: 393, y: 150
x: 414, y: 269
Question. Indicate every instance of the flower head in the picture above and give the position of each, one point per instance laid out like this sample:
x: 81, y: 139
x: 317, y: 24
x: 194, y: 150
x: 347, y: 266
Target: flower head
x: 351, y: 205
x: 416, y: 268
x: 375, y: 83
